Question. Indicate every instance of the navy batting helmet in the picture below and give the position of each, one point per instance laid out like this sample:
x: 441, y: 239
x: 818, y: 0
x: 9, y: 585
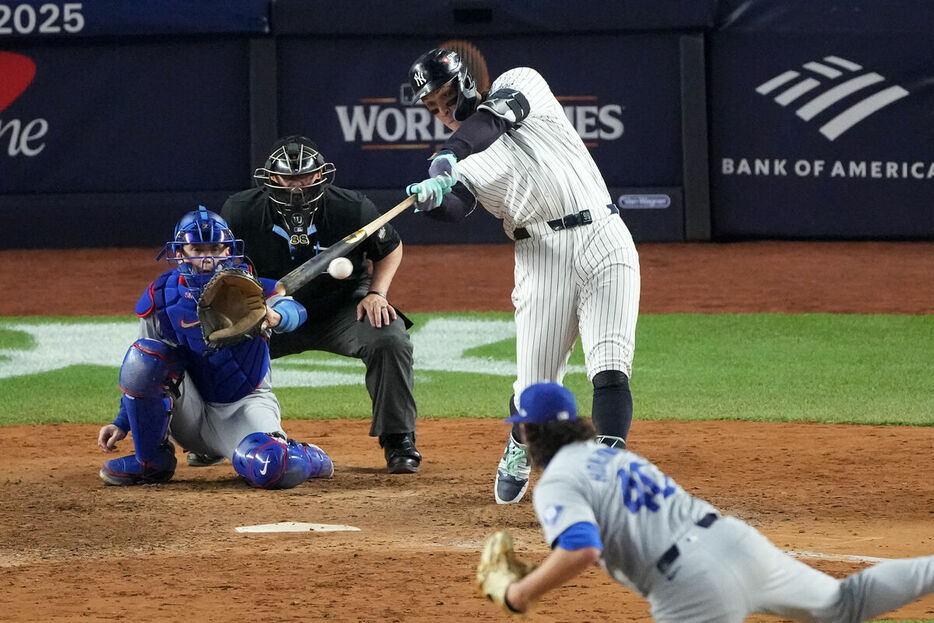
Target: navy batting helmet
x: 438, y: 67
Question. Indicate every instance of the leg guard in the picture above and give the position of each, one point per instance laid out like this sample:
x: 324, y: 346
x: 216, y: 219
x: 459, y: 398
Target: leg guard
x: 612, y: 407
x: 146, y: 369
x: 143, y: 375
x: 270, y: 462
x: 154, y: 456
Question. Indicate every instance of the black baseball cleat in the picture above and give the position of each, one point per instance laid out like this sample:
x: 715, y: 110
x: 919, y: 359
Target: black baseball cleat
x: 204, y: 460
x: 400, y: 452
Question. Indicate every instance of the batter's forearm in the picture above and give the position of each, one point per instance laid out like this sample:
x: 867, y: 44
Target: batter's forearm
x: 455, y: 206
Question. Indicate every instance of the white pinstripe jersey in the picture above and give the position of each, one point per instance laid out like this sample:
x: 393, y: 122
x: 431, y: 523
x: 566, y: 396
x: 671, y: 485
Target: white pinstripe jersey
x: 538, y: 171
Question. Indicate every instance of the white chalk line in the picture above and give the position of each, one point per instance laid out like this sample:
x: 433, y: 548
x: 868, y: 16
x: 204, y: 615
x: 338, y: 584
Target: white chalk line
x: 795, y: 553
x: 834, y: 557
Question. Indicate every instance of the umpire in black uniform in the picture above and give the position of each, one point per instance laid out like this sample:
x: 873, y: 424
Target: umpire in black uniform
x: 294, y: 213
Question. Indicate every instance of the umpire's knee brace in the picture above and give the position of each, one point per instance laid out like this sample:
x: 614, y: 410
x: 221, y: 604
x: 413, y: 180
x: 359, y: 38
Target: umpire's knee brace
x: 146, y: 368
x: 271, y: 462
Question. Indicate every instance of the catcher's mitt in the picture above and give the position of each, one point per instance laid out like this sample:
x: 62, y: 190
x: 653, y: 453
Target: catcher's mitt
x: 231, y: 308
x: 499, y: 568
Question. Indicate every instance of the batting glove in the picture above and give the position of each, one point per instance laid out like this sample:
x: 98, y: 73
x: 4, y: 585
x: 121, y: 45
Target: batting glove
x: 444, y: 163
x: 429, y: 193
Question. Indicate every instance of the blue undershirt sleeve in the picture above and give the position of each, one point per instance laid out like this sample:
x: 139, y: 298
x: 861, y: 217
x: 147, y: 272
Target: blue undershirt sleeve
x: 578, y: 536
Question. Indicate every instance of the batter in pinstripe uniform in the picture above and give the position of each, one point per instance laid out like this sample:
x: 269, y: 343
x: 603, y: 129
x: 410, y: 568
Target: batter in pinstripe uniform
x: 514, y: 152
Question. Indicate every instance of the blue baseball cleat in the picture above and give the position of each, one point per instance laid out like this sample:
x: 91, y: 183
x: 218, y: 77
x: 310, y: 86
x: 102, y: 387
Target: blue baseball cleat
x: 128, y: 471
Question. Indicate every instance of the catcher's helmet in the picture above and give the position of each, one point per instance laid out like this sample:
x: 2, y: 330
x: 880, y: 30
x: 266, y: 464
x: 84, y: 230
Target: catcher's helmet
x: 201, y: 227
x: 436, y: 68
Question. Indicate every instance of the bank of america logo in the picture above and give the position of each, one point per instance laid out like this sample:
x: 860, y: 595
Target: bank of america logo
x: 837, y: 79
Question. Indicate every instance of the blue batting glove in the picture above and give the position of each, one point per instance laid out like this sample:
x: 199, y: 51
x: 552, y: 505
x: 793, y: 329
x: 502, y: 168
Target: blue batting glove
x: 429, y: 193
x: 444, y: 163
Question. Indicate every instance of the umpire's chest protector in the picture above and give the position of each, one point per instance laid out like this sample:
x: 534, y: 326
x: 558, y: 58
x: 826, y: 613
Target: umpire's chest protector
x: 224, y: 375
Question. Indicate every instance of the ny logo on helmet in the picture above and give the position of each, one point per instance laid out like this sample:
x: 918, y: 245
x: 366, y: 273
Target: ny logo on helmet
x: 419, y: 78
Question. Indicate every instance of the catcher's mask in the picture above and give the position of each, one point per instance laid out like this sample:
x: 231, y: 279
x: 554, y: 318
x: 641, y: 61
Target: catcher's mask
x: 436, y: 68
x: 295, y: 177
x: 203, y: 229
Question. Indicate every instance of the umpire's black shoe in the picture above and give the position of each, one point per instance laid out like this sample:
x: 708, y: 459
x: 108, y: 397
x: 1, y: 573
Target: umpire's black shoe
x: 400, y: 452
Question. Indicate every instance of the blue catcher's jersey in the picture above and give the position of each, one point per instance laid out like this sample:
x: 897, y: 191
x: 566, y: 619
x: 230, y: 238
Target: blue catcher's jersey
x: 223, y: 375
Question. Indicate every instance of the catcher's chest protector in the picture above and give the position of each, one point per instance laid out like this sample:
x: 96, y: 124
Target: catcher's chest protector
x: 225, y: 375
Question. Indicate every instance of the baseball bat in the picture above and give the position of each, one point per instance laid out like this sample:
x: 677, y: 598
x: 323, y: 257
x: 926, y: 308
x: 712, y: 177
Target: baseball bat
x: 319, y: 263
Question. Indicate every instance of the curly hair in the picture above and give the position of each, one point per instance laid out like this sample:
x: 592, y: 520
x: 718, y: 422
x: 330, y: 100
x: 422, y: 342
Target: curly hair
x: 544, y: 440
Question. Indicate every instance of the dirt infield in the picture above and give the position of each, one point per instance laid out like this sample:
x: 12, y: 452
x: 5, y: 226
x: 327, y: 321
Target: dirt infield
x: 72, y: 549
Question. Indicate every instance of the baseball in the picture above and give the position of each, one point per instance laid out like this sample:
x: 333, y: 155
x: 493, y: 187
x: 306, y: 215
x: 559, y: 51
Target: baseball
x: 340, y: 268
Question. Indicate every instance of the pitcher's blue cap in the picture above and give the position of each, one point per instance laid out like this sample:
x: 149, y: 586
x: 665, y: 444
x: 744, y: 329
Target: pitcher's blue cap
x: 545, y: 402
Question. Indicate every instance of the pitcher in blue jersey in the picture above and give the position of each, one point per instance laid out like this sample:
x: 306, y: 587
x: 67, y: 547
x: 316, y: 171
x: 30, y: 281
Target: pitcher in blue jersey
x: 216, y: 404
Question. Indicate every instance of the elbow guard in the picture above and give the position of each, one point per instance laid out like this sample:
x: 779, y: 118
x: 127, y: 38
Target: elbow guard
x: 507, y: 104
x: 293, y: 315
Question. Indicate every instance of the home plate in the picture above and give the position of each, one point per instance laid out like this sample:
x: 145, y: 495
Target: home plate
x: 297, y: 526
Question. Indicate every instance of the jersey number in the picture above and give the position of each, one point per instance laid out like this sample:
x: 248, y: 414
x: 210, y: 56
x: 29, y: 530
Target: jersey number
x: 640, y: 490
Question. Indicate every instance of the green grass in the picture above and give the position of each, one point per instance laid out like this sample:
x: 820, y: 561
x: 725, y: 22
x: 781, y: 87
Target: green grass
x: 861, y: 369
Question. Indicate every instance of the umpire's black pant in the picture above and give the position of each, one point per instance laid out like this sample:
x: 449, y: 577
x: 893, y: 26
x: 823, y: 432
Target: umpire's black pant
x: 386, y: 352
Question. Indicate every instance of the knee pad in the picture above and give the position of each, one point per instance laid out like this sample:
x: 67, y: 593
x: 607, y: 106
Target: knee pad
x: 610, y: 378
x: 270, y: 462
x: 146, y: 368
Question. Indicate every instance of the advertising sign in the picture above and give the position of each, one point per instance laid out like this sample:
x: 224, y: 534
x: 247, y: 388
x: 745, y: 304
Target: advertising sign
x: 352, y: 96
x: 821, y: 136
x: 134, y: 117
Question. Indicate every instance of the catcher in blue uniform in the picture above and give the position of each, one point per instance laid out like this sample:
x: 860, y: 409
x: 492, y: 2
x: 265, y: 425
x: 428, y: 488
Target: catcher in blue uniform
x: 200, y: 377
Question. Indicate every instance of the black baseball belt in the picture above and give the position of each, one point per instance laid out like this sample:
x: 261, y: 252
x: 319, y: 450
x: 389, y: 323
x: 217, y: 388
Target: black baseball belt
x: 569, y: 221
x: 672, y: 553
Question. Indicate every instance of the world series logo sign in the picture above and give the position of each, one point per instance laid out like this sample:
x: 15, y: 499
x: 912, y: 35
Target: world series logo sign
x: 394, y: 123
x: 20, y: 138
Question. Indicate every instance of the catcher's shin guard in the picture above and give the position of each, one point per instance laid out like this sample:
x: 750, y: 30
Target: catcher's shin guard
x: 268, y: 461
x: 149, y: 422
x: 147, y: 367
